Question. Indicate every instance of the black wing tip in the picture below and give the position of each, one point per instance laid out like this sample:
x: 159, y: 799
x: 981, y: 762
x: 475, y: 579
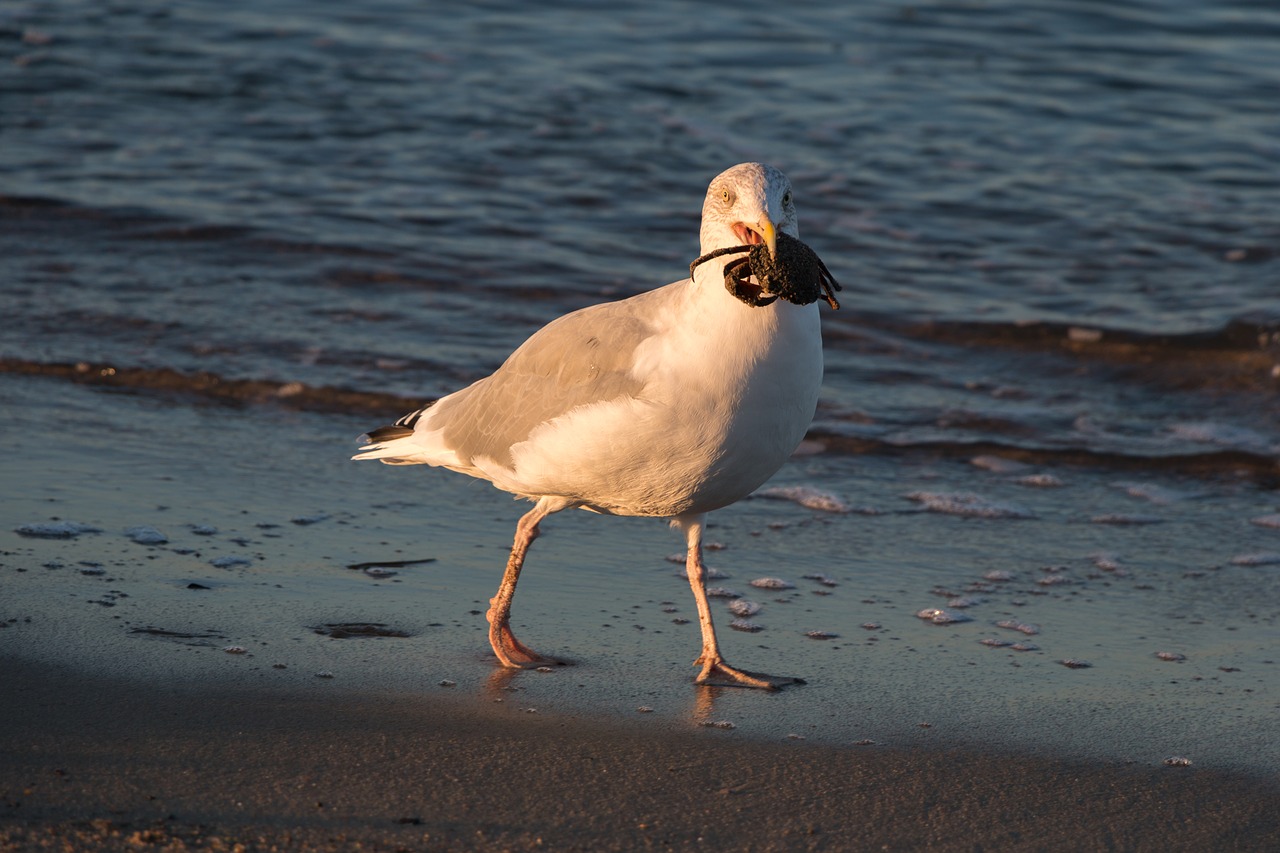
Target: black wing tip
x: 386, y: 433
x: 411, y: 420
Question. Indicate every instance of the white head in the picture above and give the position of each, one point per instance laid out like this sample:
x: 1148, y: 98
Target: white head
x: 747, y: 204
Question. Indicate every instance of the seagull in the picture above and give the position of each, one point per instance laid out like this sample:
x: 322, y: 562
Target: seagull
x: 672, y: 404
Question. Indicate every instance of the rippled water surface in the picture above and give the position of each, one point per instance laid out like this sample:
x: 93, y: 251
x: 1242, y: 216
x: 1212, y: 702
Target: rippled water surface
x: 232, y: 238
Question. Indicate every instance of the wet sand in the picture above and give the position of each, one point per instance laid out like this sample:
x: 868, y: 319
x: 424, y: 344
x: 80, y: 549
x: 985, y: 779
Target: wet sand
x: 127, y: 725
x: 93, y: 764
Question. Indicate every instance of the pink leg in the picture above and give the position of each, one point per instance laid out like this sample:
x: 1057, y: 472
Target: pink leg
x: 510, y: 651
x: 715, y: 671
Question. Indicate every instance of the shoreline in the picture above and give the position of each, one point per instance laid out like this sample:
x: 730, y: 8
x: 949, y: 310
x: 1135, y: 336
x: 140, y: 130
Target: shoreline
x: 105, y: 765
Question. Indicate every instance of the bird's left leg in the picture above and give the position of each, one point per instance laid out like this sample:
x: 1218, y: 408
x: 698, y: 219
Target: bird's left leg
x: 715, y: 670
x: 510, y: 651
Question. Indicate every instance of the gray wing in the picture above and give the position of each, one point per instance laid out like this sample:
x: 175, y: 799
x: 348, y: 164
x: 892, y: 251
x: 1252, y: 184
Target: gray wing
x: 577, y: 360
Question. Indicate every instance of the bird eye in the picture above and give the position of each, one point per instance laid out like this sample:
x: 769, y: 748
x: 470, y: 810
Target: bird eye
x: 786, y: 199
x: 726, y: 195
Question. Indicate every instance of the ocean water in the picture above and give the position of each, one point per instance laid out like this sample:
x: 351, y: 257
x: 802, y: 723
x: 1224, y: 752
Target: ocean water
x: 233, y: 238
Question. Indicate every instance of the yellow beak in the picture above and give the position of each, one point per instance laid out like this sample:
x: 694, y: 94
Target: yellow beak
x: 765, y: 227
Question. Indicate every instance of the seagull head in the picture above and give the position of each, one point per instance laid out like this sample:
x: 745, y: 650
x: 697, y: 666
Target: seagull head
x: 746, y: 205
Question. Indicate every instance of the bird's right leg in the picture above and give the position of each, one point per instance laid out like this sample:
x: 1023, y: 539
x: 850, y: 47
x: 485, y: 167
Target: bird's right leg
x: 510, y: 651
x: 715, y: 670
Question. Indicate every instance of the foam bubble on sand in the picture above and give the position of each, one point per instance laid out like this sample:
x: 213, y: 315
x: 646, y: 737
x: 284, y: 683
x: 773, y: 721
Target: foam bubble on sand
x: 1024, y: 647
x: 1178, y: 761
x: 146, y: 535
x: 772, y: 583
x: 820, y: 635
x: 1075, y: 663
x: 56, y: 529
x: 1267, y: 520
x: 1262, y: 558
x: 230, y: 562
x: 204, y: 530
x: 746, y: 625
x: 1015, y: 625
x: 938, y: 616
x: 995, y: 642
x: 968, y: 505
x: 998, y: 576
x: 722, y: 592
x: 743, y: 607
x: 1106, y: 561
x: 1171, y: 656
x: 807, y: 496
x: 822, y: 579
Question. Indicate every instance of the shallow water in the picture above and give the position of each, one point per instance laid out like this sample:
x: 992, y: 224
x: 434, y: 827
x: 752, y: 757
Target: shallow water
x: 231, y: 241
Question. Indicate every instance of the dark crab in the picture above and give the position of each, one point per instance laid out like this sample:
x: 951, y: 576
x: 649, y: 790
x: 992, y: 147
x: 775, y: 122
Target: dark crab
x: 796, y: 273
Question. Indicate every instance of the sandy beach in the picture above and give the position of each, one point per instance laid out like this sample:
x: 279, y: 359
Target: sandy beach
x: 90, y: 764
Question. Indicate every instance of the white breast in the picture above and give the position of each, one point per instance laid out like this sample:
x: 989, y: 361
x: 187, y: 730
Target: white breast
x: 727, y: 392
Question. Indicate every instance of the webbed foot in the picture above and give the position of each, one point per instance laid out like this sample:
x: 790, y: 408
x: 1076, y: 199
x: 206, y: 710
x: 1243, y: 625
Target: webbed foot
x: 514, y: 654
x: 717, y: 673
